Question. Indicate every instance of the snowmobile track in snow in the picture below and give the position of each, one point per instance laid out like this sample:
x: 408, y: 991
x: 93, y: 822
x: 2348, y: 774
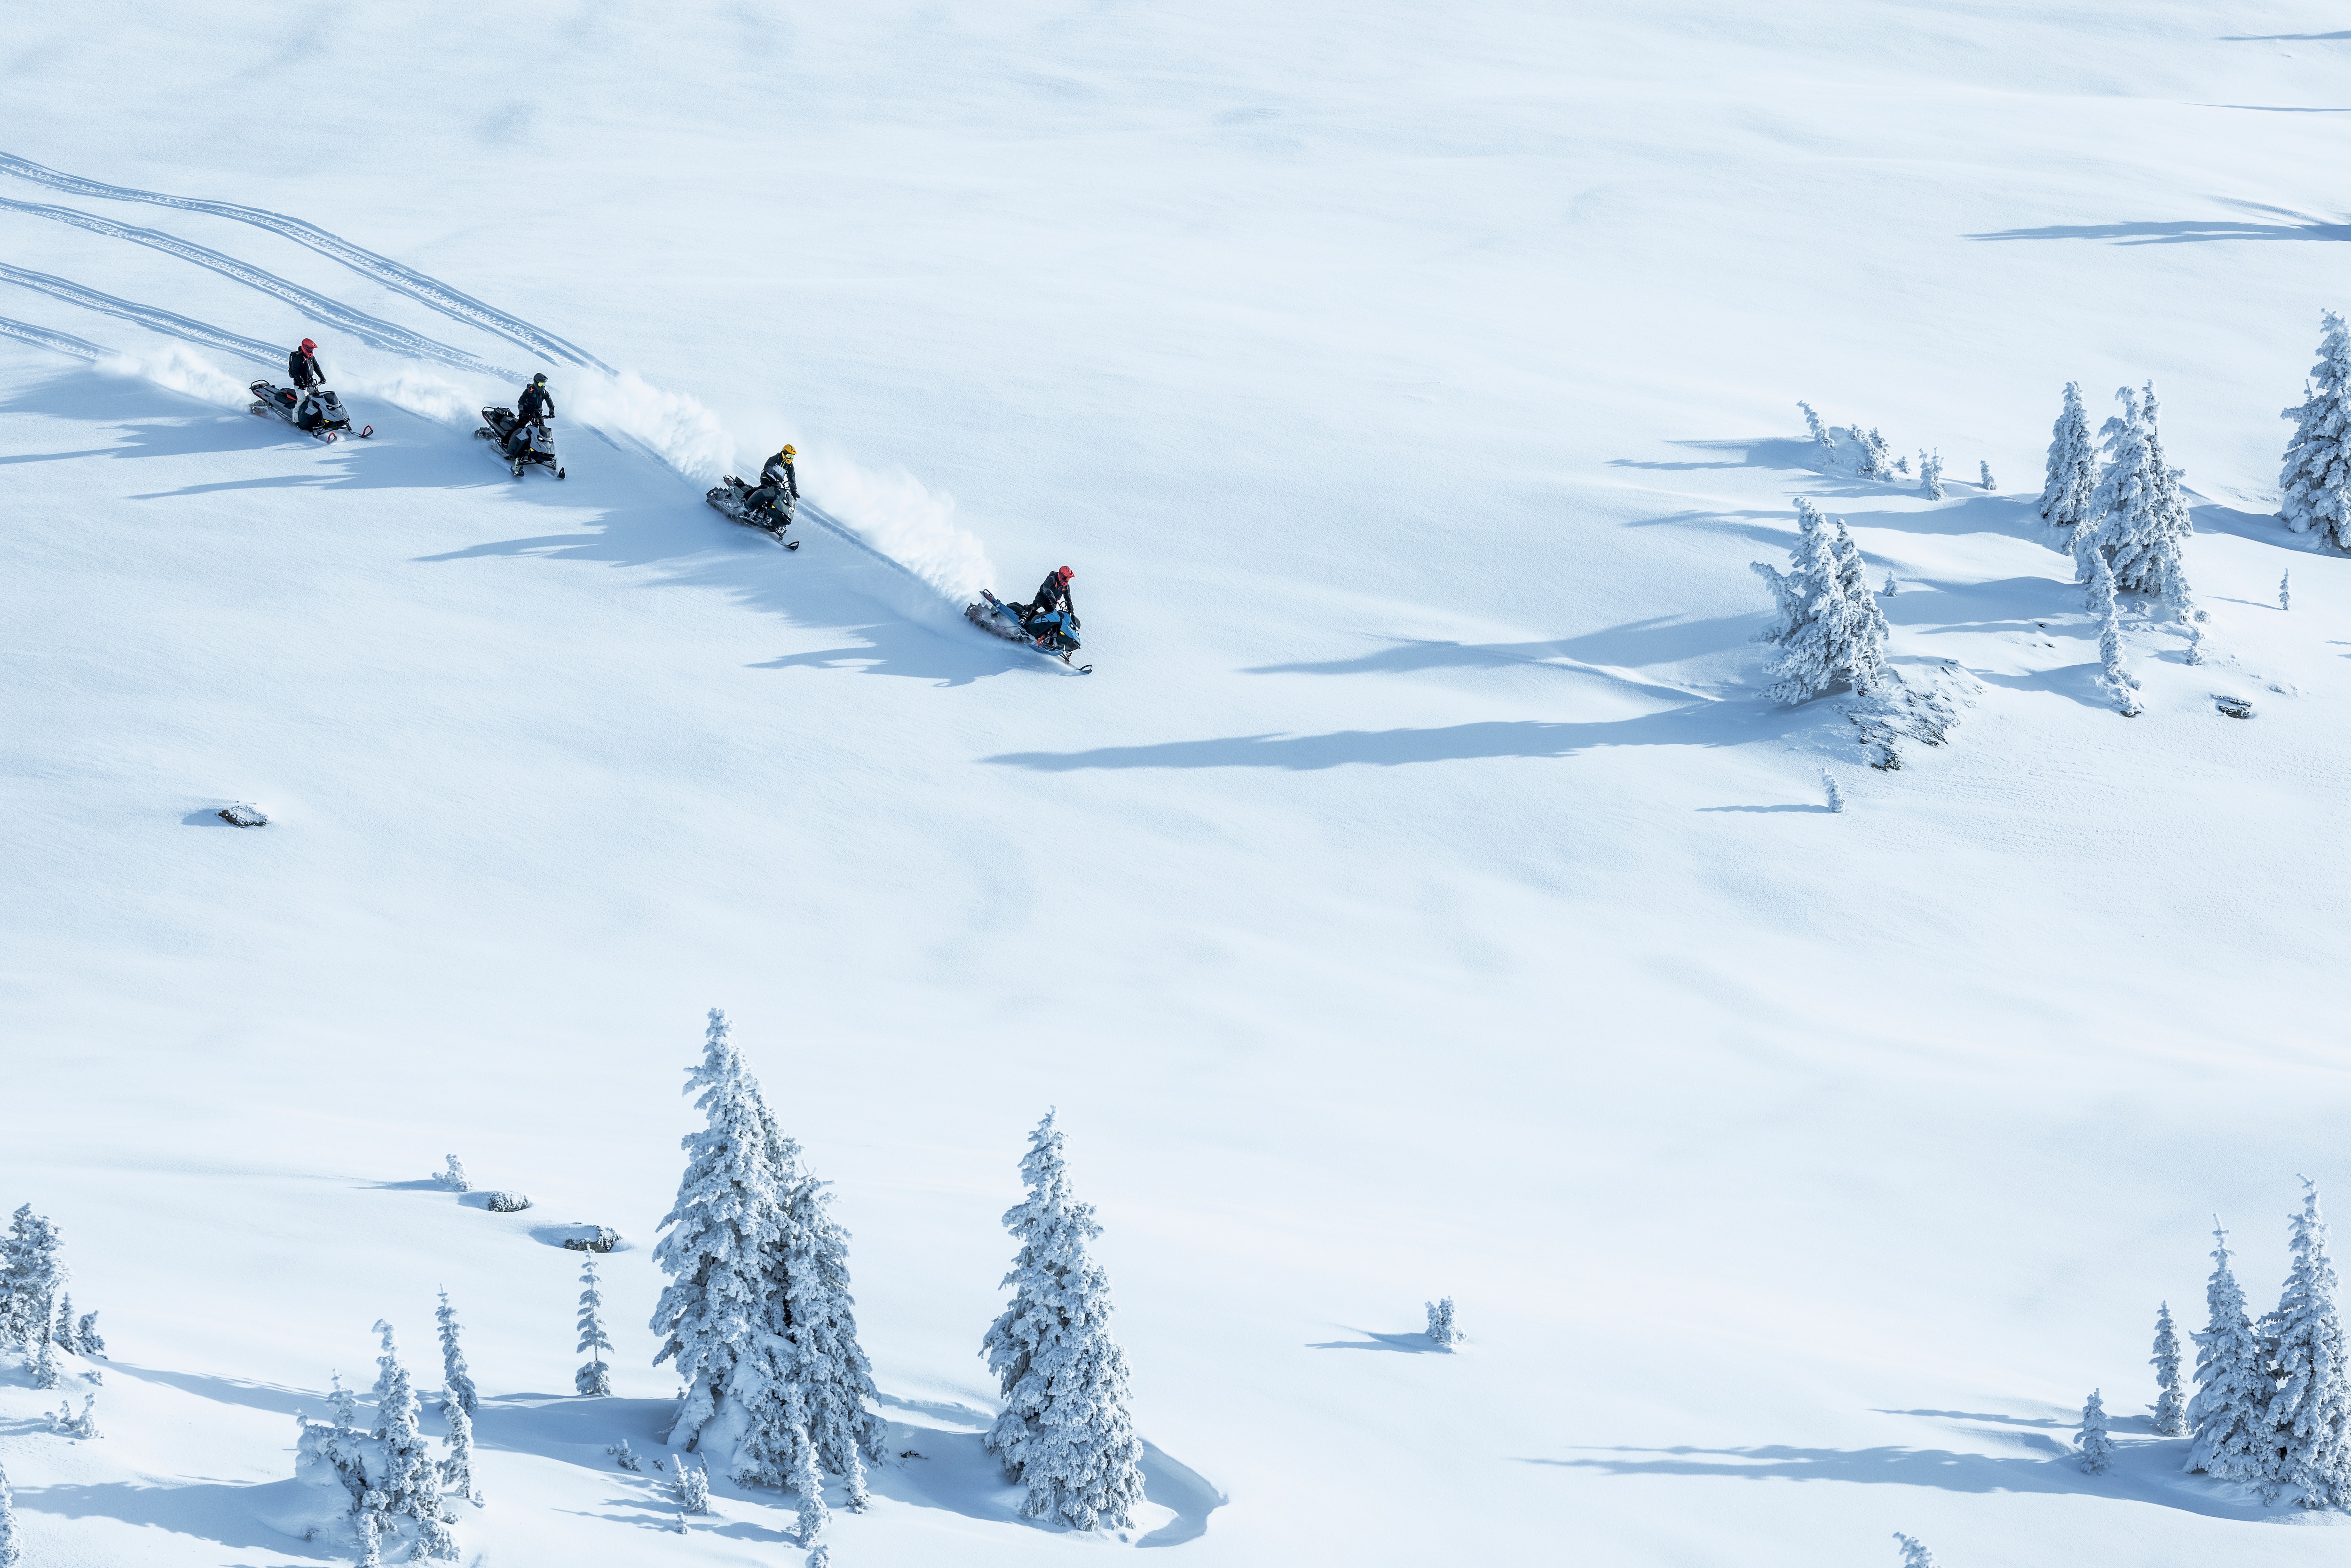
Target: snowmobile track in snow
x: 63, y: 342
x: 392, y: 275
x: 369, y: 328
x: 154, y: 319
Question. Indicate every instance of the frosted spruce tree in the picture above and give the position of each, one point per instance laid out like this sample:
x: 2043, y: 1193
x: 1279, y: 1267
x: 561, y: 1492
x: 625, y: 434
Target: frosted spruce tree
x: 2072, y: 463
x: 409, y: 1484
x: 1820, y: 436
x: 457, y: 1469
x: 46, y: 1373
x: 32, y: 1273
x: 2171, y: 1412
x: 2285, y: 587
x: 829, y: 1367
x: 2113, y: 674
x: 1441, y: 1329
x: 11, y: 1551
x: 1914, y: 1554
x: 728, y: 1222
x: 1983, y: 468
x: 2314, y: 488
x: 1930, y: 473
x: 2309, y: 1414
x: 595, y: 1378
x: 2098, y: 1448
x: 2136, y: 518
x: 1877, y: 462
x: 62, y: 1331
x: 455, y: 1380
x: 1066, y: 1433
x: 1829, y: 627
x: 2229, y: 1414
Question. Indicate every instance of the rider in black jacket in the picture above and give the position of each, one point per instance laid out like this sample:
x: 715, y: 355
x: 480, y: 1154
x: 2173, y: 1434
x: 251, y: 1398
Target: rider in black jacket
x: 777, y: 480
x: 302, y: 370
x: 1052, y: 595
x: 534, y: 407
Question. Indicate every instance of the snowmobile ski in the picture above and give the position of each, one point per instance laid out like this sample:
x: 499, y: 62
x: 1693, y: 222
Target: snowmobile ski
x: 731, y: 500
x: 1000, y: 620
x: 538, y: 450
x: 317, y: 413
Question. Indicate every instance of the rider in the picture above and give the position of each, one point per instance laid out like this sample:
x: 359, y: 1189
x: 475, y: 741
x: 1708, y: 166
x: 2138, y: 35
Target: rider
x: 1052, y: 597
x: 534, y: 407
x: 777, y: 479
x: 302, y: 370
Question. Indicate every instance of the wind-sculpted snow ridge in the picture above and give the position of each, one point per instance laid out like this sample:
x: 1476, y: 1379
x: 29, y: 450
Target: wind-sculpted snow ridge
x: 169, y: 323
x: 383, y: 269
x: 63, y: 342
x: 369, y: 328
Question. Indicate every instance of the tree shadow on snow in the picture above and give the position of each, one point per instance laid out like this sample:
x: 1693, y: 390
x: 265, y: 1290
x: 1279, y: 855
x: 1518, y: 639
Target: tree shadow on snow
x: 227, y: 1513
x: 2301, y: 227
x: 1404, y: 1344
x: 2143, y: 1471
x: 274, y: 1397
x: 1616, y: 653
x: 1709, y: 724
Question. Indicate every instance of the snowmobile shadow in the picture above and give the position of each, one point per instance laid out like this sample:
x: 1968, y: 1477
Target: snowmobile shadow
x: 223, y: 1512
x: 1709, y: 724
x: 949, y: 1470
x: 1618, y: 654
x: 2143, y: 1470
x: 2190, y: 233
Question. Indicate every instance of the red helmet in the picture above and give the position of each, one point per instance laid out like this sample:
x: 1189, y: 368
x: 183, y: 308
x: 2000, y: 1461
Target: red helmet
x: 1065, y: 574
x: 307, y: 345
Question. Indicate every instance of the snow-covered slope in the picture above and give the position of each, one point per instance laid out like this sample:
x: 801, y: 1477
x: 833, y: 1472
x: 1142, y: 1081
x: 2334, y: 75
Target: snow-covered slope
x: 1419, y: 899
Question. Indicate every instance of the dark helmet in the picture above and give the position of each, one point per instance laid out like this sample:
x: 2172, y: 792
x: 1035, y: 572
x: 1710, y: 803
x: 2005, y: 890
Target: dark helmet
x: 539, y: 379
x: 1065, y: 574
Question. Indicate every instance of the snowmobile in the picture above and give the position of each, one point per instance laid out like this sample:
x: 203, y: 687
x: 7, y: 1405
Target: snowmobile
x: 732, y: 500
x: 498, y: 425
x: 317, y: 412
x: 1053, y: 633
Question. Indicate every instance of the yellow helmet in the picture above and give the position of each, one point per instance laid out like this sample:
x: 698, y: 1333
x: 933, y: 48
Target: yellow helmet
x: 790, y: 451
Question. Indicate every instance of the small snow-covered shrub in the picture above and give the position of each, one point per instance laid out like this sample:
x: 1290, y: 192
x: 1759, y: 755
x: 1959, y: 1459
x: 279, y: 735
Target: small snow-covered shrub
x: 453, y: 1178
x: 1820, y: 436
x: 1836, y: 795
x: 2285, y: 596
x: 1914, y: 1556
x: 593, y: 1238
x: 243, y: 814
x: 1901, y: 707
x: 691, y: 1486
x: 11, y: 1551
x: 1441, y: 1329
x: 47, y: 1374
x: 505, y: 1202
x: 1983, y: 467
x: 624, y: 1456
x: 2234, y: 707
x: 2113, y: 674
x: 85, y: 1425
x: 1829, y: 628
x: 1930, y: 473
x: 1877, y: 462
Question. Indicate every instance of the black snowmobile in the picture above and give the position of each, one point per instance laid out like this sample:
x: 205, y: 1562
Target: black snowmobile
x: 733, y: 501
x: 1054, y: 633
x: 499, y: 426
x: 316, y: 412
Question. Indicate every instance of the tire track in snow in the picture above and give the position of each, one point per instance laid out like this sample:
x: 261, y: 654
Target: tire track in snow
x: 63, y: 342
x: 148, y: 316
x: 369, y: 328
x: 392, y: 275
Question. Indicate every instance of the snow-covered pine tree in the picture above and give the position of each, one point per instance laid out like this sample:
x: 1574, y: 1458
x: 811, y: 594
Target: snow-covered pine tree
x: 819, y: 1556
x: 1829, y: 628
x: 1983, y: 467
x: 87, y: 1339
x: 47, y: 1374
x: 829, y: 1365
x: 2136, y: 518
x: 2285, y: 598
x: 594, y: 1377
x: 371, y: 1528
x: 1914, y: 1556
x: 2113, y: 674
x: 1829, y: 787
x: 454, y: 1177
x: 2098, y: 1449
x: 726, y: 1223
x: 2072, y: 463
x: 1877, y: 462
x: 624, y: 1456
x: 2171, y: 1412
x: 456, y: 1382
x: 11, y: 1551
x: 808, y: 1481
x: 63, y: 1330
x: 1440, y: 1314
x: 34, y: 1271
x: 2229, y: 1413
x: 458, y: 1470
x: 2314, y: 486
x: 1930, y: 473
x: 1820, y: 436
x: 1066, y: 1432
x: 409, y: 1485
x: 1902, y: 466
x: 2309, y: 1417
x: 691, y: 1485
